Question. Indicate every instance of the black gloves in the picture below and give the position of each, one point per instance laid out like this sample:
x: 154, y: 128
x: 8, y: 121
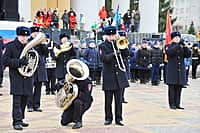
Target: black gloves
x: 23, y: 61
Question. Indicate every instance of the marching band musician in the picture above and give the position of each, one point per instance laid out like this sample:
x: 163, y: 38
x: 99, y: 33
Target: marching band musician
x: 74, y: 113
x: 114, y: 79
x: 51, y: 70
x: 122, y: 35
x: 175, y: 78
x: 20, y: 86
x: 40, y: 74
x: 64, y: 57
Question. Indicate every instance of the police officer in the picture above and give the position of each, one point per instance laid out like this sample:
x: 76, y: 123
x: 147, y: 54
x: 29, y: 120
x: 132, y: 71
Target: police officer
x: 64, y: 57
x: 40, y: 74
x: 20, y: 86
x: 74, y: 113
x: 175, y: 78
x: 114, y: 79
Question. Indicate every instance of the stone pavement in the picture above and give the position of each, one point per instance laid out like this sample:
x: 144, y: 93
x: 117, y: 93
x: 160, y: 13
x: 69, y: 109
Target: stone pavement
x: 146, y: 112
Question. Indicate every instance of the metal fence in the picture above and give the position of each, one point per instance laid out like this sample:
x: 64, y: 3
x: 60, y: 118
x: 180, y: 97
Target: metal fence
x: 135, y: 37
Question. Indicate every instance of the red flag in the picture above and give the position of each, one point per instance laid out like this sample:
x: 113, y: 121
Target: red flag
x: 168, y: 29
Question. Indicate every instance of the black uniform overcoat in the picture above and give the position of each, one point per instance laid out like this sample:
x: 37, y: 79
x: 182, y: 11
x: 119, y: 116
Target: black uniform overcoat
x: 61, y: 62
x: 113, y: 77
x: 176, y: 67
x: 19, y: 85
x: 40, y: 74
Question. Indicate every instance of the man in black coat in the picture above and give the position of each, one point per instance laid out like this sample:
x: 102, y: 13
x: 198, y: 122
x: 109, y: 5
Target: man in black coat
x: 114, y: 79
x: 175, y: 78
x: 51, y: 69
x: 40, y: 74
x: 80, y: 105
x: 64, y: 57
x: 1, y: 65
x: 20, y: 86
x: 195, y: 59
x: 143, y: 62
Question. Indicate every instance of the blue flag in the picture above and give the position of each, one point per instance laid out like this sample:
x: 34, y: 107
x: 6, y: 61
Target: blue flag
x: 116, y: 18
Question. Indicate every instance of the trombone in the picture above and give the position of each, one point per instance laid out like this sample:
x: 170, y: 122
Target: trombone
x: 119, y: 59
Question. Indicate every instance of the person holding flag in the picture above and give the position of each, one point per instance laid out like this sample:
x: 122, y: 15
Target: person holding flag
x: 176, y: 77
x: 175, y: 51
x: 167, y: 42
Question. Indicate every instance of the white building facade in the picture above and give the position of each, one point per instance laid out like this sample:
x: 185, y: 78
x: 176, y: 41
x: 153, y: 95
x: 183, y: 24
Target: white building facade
x: 186, y: 11
x: 148, y: 10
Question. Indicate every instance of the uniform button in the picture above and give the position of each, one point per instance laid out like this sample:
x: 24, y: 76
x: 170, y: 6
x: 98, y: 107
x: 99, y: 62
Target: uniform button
x: 117, y: 73
x: 115, y: 65
x: 179, y: 70
x: 179, y: 63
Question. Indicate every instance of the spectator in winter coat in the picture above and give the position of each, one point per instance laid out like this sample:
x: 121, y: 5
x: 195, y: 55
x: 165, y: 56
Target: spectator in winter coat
x: 156, y: 60
x: 103, y: 13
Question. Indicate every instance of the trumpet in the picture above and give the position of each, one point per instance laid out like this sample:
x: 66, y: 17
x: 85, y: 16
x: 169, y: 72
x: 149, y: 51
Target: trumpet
x: 64, y: 47
x: 122, y: 43
x: 119, y: 59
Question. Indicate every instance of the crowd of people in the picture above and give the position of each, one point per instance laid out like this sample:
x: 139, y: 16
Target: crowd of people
x: 128, y: 22
x: 45, y: 18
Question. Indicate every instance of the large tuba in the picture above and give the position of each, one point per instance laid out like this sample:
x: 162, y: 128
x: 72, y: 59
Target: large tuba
x: 76, y: 70
x: 63, y: 47
x: 31, y: 55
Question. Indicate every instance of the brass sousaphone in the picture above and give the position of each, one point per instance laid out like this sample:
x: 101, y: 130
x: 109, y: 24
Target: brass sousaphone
x: 76, y: 70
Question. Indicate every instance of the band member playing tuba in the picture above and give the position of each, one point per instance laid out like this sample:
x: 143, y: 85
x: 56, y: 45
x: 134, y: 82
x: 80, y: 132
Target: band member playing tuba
x: 74, y: 93
x: 74, y: 113
x: 114, y: 75
x: 20, y: 86
x: 40, y: 74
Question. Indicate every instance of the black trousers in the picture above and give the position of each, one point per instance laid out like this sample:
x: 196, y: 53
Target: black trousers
x: 50, y: 84
x: 34, y: 99
x: 118, y: 104
x: 1, y: 72
x: 174, y: 95
x: 75, y: 112
x: 194, y: 70
x: 133, y: 75
x: 143, y: 75
x: 18, y: 109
